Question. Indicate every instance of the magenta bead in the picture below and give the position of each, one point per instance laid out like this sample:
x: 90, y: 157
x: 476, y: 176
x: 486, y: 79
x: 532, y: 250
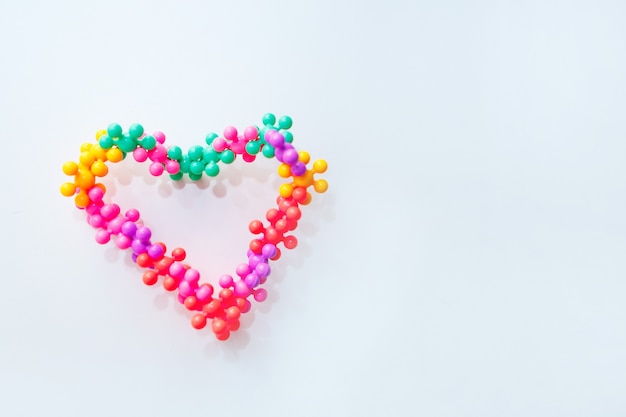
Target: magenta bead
x: 248, y: 158
x: 241, y: 289
x: 138, y: 246
x: 109, y: 211
x: 102, y: 237
x: 129, y: 228
x: 158, y: 154
x: 252, y: 280
x: 225, y: 281
x: 238, y: 147
x: 185, y: 288
x: 140, y: 154
x: 95, y: 194
x: 159, y: 136
x: 155, y: 251
x: 260, y: 295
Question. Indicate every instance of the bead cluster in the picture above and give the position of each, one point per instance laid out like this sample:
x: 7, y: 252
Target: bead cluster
x: 223, y: 307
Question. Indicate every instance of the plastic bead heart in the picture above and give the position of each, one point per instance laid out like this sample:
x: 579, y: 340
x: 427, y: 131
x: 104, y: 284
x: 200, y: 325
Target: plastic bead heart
x: 222, y: 307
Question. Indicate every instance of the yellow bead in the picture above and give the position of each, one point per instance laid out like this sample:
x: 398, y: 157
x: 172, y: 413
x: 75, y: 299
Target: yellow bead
x: 304, y: 157
x: 285, y: 190
x: 86, y: 158
x: 82, y: 199
x: 284, y: 170
x: 85, y: 147
x: 115, y: 155
x: 68, y: 189
x: 100, y: 133
x: 70, y: 168
x: 99, y: 169
x: 320, y: 166
x: 99, y: 153
x: 320, y: 186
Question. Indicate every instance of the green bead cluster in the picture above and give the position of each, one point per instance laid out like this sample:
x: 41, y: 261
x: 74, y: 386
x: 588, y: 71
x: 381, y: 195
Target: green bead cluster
x: 126, y: 142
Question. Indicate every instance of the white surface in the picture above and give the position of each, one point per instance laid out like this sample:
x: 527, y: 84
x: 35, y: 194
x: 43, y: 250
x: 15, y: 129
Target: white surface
x: 468, y: 259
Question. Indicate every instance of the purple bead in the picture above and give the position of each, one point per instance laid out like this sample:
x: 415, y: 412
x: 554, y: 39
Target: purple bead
x: 129, y: 229
x: 275, y: 139
x: 262, y: 270
x: 269, y: 250
x: 278, y: 153
x: 290, y: 156
x: 252, y: 280
x: 138, y: 246
x: 298, y: 169
x: 143, y: 233
x: 254, y: 260
x: 155, y: 251
x: 134, y: 257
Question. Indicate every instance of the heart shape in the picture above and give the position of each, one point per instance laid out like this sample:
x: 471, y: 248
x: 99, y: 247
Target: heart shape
x: 233, y: 299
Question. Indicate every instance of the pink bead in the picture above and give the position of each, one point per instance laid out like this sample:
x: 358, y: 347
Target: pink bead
x: 115, y: 225
x: 96, y: 194
x: 177, y: 270
x: 241, y: 289
x: 226, y: 281
x: 132, y: 215
x: 96, y: 220
x: 159, y: 136
x: 140, y: 154
x: 260, y: 295
x: 185, y: 288
x: 219, y: 144
x: 238, y: 147
x: 109, y: 211
x: 123, y: 242
x: 172, y: 167
x: 248, y: 158
x: 243, y: 270
x: 102, y: 237
x: 204, y: 292
x: 192, y: 275
x: 158, y: 154
x: 156, y: 168
x: 92, y: 209
x: 250, y: 133
x: 230, y: 133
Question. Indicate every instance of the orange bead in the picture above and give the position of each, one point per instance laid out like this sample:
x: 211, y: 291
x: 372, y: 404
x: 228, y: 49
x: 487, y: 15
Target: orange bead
x: 82, y: 199
x: 99, y: 153
x: 85, y: 179
x: 304, y: 180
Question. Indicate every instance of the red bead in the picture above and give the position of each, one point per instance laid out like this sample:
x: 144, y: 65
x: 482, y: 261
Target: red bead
x: 256, y: 227
x: 293, y: 213
x: 256, y: 246
x: 212, y: 308
x: 233, y: 313
x: 170, y: 284
x: 299, y: 194
x: 150, y: 277
x: 218, y: 326
x: 191, y: 302
x: 144, y: 260
x: 290, y: 242
x: 281, y: 226
x: 272, y: 215
x: 233, y: 325
x: 179, y: 254
x: 198, y: 321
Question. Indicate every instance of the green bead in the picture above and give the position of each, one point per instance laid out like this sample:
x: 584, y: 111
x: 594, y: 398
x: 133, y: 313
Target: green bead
x: 210, y: 155
x: 227, y: 156
x: 195, y: 153
x: 114, y: 130
x: 210, y: 138
x: 253, y: 147
x: 105, y: 142
x: 196, y: 167
x: 285, y: 122
x: 148, y: 143
x: 174, y: 152
x: 195, y: 177
x: 126, y: 143
x: 287, y: 135
x: 177, y: 177
x: 212, y: 169
x: 184, y: 164
x: 269, y: 119
x: 262, y: 133
x: 135, y: 131
x: 268, y: 151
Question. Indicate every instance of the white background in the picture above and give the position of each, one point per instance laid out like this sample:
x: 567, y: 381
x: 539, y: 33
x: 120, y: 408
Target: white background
x: 468, y: 259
